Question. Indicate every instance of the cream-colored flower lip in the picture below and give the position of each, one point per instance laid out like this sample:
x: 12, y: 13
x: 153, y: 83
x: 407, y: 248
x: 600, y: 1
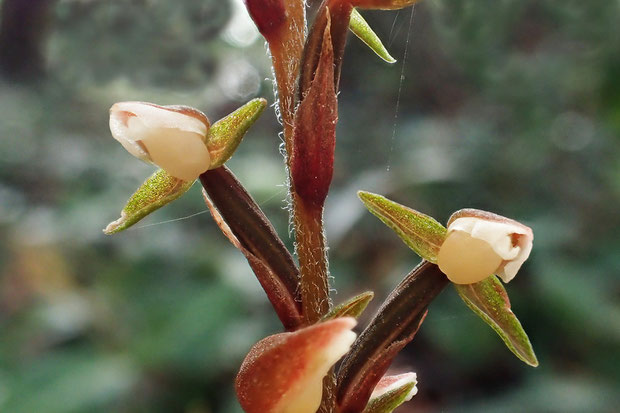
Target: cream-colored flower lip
x: 509, y: 239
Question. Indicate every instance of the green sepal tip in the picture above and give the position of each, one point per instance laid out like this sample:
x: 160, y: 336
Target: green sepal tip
x: 423, y: 234
x: 489, y: 300
x: 226, y: 134
x: 389, y: 401
x: 353, y: 307
x: 158, y: 190
x: 364, y: 32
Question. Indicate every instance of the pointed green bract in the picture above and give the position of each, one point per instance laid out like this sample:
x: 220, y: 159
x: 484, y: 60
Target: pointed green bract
x: 158, y: 190
x: 489, y: 300
x: 388, y: 402
x: 353, y: 307
x: 225, y: 135
x: 420, y: 232
x: 362, y: 30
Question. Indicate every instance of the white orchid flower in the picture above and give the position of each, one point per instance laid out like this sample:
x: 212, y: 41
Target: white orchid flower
x: 171, y: 137
x: 480, y: 243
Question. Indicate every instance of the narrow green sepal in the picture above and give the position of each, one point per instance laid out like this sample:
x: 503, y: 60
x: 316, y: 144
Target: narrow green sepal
x: 226, y: 134
x: 489, y: 300
x: 389, y: 401
x: 158, y: 190
x: 353, y: 307
x: 362, y: 30
x: 420, y: 232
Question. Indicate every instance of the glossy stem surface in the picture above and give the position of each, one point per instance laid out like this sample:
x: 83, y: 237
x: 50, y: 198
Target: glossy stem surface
x: 254, y: 231
x: 394, y: 325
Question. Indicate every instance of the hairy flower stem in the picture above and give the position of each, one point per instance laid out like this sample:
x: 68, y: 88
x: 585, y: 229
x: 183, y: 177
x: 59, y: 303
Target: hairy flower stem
x: 312, y: 260
x: 286, y: 48
x: 285, y: 81
x: 314, y: 281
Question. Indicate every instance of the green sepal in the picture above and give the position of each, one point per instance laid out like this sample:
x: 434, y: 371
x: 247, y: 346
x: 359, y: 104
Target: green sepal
x: 489, y: 300
x: 158, y: 190
x: 362, y: 30
x: 423, y: 234
x: 226, y: 134
x: 389, y: 401
x: 353, y: 307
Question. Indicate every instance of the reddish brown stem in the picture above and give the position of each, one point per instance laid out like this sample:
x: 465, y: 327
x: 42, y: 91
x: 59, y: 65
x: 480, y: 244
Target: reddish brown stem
x: 312, y: 260
x: 394, y: 325
x: 271, y: 261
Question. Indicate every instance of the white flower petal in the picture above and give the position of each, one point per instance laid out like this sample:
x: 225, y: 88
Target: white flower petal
x: 510, y: 268
x: 496, y: 234
x: 120, y: 132
x: 171, y: 137
x: 155, y: 116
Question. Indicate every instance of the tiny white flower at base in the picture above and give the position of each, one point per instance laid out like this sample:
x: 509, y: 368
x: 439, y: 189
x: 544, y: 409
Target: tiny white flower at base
x: 479, y: 244
x: 389, y: 383
x: 171, y: 137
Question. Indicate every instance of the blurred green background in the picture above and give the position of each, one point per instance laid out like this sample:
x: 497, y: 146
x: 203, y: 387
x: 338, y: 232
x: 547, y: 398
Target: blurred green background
x: 509, y: 105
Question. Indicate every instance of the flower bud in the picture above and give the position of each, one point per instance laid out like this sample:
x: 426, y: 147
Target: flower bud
x: 284, y: 373
x: 314, y: 138
x: 391, y: 383
x: 172, y: 137
x: 480, y: 243
x: 391, y: 392
x: 268, y: 15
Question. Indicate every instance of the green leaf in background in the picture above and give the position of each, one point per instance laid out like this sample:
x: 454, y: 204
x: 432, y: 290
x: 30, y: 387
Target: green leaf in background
x: 158, y: 190
x: 489, y: 300
x: 390, y: 400
x: 420, y: 232
x: 353, y: 307
x: 225, y: 135
x: 362, y: 30
x: 77, y: 380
